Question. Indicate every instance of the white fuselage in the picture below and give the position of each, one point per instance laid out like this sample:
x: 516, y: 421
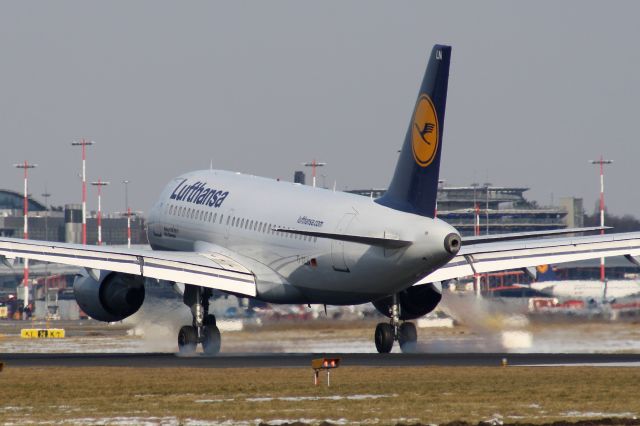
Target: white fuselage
x: 237, y: 213
x: 569, y: 289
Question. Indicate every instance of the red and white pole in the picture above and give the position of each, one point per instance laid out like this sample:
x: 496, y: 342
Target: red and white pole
x: 100, y: 184
x: 99, y: 215
x: 84, y: 143
x: 25, y: 281
x: 476, y: 232
x: 602, y: 162
x: 84, y: 193
x: 314, y: 164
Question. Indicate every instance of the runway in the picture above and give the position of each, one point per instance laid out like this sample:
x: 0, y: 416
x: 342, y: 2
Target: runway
x: 164, y: 360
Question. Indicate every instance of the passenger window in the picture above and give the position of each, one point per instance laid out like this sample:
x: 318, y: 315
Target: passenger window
x: 251, y: 225
x: 228, y: 217
x: 216, y: 215
x: 221, y: 216
x: 233, y: 222
x: 242, y: 223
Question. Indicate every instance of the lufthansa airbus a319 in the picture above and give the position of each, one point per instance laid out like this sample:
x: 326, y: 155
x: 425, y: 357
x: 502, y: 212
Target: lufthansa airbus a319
x: 292, y: 244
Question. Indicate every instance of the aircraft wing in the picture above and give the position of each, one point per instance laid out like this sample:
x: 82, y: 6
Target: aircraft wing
x: 210, y: 269
x: 490, y: 257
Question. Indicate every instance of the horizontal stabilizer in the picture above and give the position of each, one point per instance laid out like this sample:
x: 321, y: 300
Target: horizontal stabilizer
x: 372, y: 241
x: 502, y: 256
x: 482, y: 239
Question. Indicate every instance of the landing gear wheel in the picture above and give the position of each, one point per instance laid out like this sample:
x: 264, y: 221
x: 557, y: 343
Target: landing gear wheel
x: 209, y: 320
x: 187, y: 340
x: 384, y: 337
x: 211, y: 339
x: 407, y: 337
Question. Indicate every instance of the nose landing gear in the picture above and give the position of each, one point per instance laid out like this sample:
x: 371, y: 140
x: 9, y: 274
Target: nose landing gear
x: 386, y: 333
x: 203, y: 329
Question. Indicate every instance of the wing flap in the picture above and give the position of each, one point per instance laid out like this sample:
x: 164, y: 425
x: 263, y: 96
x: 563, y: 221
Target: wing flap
x: 200, y: 269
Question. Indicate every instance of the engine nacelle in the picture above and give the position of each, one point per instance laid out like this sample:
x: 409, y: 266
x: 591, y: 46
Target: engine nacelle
x: 414, y: 302
x: 114, y: 297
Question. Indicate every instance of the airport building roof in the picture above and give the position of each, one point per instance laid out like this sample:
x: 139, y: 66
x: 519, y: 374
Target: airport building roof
x: 12, y: 200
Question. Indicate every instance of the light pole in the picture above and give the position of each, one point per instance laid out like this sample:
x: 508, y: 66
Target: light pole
x: 46, y: 196
x: 486, y: 188
x: 26, y: 166
x: 128, y: 228
x: 314, y: 164
x: 84, y: 143
x: 476, y: 210
x: 601, y: 162
x: 127, y: 210
x: 126, y: 194
x: 99, y: 184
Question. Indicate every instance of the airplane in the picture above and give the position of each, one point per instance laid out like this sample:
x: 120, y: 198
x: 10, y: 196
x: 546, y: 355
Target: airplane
x: 285, y: 243
x: 591, y: 290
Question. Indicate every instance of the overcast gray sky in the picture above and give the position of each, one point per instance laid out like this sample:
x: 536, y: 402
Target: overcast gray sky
x: 536, y: 90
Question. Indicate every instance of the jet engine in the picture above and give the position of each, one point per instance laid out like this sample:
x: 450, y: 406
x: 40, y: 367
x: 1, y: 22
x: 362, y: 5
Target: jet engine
x: 113, y: 297
x: 414, y: 302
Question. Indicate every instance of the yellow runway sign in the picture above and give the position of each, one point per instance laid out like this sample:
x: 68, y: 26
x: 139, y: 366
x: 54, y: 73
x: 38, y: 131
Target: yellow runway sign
x: 42, y: 333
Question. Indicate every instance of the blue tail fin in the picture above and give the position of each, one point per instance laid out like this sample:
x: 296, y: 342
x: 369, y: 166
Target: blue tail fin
x: 414, y: 186
x: 546, y: 273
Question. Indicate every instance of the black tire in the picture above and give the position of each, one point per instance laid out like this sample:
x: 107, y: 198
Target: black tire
x: 209, y: 320
x: 407, y: 337
x: 187, y: 340
x: 211, y: 340
x: 384, y: 338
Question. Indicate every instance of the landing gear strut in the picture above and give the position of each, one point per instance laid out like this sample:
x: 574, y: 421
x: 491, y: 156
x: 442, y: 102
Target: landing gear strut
x: 203, y: 329
x: 386, y: 333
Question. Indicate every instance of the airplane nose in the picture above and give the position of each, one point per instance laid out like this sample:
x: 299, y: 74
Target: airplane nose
x: 452, y: 243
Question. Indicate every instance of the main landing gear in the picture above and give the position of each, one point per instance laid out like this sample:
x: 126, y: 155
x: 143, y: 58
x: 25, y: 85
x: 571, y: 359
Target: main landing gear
x: 203, y: 329
x: 386, y: 333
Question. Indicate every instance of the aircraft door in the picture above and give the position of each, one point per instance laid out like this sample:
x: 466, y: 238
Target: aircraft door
x: 337, y: 247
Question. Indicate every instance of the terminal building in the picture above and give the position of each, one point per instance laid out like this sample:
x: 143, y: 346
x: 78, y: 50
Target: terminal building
x: 498, y: 209
x: 65, y: 224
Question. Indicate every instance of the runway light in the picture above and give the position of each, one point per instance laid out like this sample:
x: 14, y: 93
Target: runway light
x: 324, y: 364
